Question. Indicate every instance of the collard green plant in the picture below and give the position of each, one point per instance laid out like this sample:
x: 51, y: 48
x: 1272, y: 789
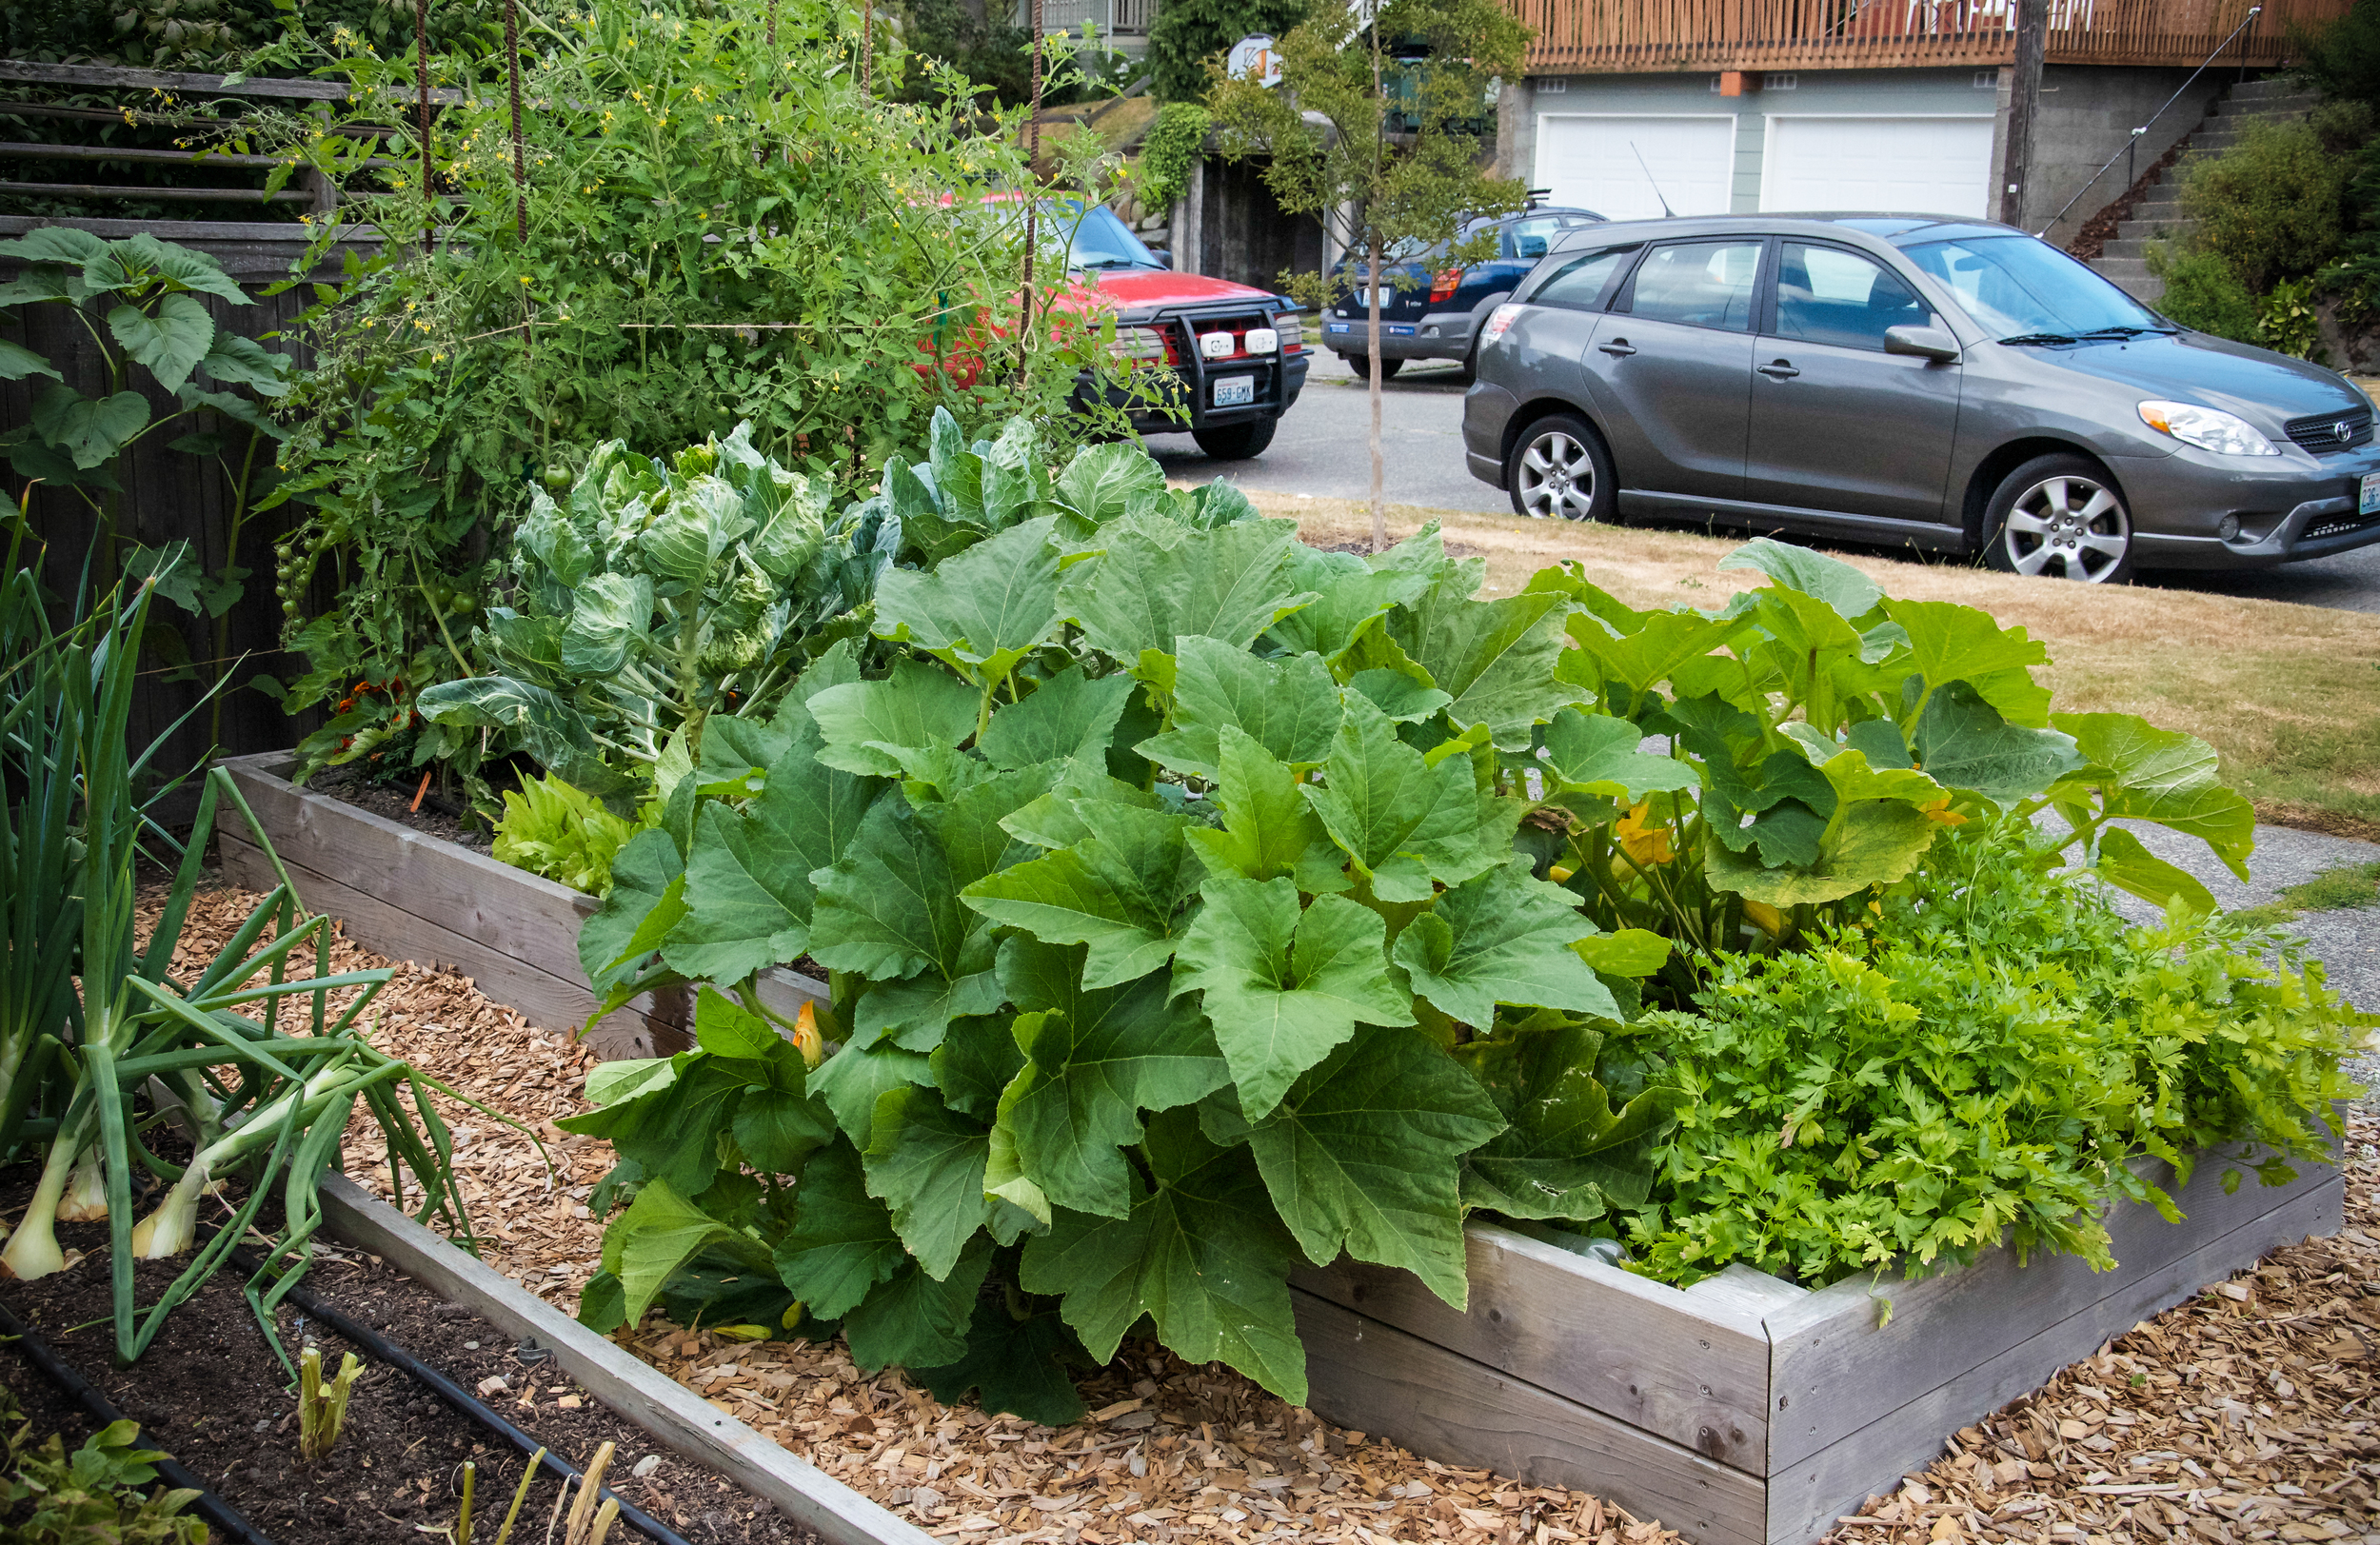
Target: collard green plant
x: 1988, y: 1055
x: 1176, y: 934
x: 656, y: 596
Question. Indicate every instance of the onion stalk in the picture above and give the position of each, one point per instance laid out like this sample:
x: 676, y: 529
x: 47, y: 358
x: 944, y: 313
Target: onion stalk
x: 173, y: 1227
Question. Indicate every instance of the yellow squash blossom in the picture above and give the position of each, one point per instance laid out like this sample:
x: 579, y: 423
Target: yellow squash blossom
x: 1648, y: 845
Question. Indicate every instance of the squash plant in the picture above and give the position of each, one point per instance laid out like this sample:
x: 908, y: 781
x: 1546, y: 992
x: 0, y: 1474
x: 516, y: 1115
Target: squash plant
x: 1825, y: 735
x: 1167, y: 885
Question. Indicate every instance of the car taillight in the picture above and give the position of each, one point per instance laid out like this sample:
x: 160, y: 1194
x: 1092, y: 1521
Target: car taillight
x: 1442, y: 287
x: 1140, y: 343
x: 1293, y: 332
x: 1498, y: 321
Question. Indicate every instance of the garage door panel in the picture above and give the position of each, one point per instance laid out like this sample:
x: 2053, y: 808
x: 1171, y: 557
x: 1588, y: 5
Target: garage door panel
x: 1590, y: 160
x: 1918, y: 166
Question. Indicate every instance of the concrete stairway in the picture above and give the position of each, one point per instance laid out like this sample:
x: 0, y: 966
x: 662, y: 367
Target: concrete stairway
x: 2158, y: 216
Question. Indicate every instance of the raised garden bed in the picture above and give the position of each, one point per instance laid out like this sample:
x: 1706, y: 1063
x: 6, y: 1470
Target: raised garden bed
x: 1743, y: 1411
x: 412, y: 897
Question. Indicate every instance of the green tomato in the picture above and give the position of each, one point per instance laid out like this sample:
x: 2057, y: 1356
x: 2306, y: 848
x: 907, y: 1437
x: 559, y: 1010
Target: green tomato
x: 558, y: 478
x: 462, y: 606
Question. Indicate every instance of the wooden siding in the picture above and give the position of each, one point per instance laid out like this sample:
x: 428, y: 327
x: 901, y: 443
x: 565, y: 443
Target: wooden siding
x: 1612, y: 36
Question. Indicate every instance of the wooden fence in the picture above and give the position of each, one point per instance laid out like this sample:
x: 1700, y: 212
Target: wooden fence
x: 1595, y: 36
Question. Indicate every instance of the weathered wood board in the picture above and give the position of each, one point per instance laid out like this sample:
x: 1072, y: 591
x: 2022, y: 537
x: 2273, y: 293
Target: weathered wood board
x: 412, y: 897
x: 635, y: 1390
x: 1678, y: 1405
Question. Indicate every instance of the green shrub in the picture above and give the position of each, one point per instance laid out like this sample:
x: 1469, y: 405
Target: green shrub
x: 1186, y: 33
x: 1168, y: 152
x: 2202, y: 291
x: 2272, y: 206
x: 1987, y: 1054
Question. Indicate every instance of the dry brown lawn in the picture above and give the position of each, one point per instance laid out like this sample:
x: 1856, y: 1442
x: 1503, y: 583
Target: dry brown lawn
x: 2289, y: 695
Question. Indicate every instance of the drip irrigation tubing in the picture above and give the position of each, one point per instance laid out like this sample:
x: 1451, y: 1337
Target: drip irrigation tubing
x: 460, y: 1398
x: 214, y: 1509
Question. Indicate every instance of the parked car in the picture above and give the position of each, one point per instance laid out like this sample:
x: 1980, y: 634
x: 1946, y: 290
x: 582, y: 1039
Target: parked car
x: 1239, y: 352
x: 1952, y: 385
x: 1437, y: 312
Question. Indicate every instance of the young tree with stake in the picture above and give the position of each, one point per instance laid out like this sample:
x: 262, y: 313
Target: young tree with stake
x: 1382, y: 172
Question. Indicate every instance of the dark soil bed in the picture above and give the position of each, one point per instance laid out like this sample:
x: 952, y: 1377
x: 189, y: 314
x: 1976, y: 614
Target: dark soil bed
x: 436, y: 818
x: 210, y: 1391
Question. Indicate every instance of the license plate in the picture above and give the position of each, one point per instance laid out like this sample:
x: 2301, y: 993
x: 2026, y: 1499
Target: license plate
x: 1235, y: 391
x: 2368, y: 497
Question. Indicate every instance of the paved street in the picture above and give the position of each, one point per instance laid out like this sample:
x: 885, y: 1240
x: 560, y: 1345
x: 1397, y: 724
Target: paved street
x: 1321, y: 450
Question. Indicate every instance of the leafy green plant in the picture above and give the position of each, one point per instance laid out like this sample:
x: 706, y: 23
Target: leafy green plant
x: 2287, y: 321
x: 658, y: 596
x: 1185, y: 36
x: 1988, y: 1055
x: 1176, y: 932
x: 2270, y: 206
x: 147, y: 295
x: 91, y: 1497
x: 1822, y: 736
x: 563, y: 833
x: 721, y: 228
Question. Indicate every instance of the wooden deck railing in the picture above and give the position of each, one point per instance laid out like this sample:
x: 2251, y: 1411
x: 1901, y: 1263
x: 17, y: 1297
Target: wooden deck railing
x: 1596, y: 36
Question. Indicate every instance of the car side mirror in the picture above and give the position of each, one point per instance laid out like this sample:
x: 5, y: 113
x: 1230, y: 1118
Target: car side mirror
x: 1924, y: 343
x: 1164, y: 259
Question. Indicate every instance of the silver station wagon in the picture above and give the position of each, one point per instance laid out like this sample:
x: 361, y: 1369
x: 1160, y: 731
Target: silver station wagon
x: 1954, y: 386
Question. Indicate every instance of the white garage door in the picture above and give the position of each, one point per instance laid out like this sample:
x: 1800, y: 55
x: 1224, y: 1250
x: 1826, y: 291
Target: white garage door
x: 1916, y: 166
x: 1590, y: 160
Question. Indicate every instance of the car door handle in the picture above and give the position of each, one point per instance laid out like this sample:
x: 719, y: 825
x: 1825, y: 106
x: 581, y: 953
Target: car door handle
x: 1617, y: 348
x: 1776, y: 371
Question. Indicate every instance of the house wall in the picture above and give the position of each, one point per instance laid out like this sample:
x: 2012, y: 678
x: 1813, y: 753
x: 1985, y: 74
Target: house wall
x: 2087, y: 114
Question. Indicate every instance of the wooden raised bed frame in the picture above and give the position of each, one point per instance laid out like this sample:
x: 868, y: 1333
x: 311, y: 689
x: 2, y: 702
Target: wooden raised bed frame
x: 1741, y: 1411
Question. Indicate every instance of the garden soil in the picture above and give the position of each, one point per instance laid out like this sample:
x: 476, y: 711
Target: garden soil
x: 212, y: 1393
x: 2245, y: 1415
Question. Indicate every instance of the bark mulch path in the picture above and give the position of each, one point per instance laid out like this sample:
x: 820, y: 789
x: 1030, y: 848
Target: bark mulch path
x: 2238, y: 1416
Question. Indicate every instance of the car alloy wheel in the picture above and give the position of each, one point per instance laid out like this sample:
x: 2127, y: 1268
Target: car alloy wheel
x: 1556, y: 477
x: 2066, y: 527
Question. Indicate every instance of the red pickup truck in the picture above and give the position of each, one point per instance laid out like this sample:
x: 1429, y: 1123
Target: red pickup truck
x: 1240, y: 352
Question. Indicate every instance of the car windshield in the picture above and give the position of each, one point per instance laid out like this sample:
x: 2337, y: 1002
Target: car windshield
x: 1100, y: 241
x: 2021, y: 288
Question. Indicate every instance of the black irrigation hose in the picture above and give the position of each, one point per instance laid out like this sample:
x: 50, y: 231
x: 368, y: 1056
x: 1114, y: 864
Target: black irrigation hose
x: 208, y: 1506
x: 460, y: 1398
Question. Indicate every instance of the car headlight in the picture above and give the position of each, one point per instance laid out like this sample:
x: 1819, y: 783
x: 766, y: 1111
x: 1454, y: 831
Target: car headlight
x: 1292, y: 331
x: 2226, y: 434
x: 1140, y: 343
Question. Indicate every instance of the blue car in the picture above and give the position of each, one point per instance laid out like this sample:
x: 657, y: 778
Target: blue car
x: 1431, y: 312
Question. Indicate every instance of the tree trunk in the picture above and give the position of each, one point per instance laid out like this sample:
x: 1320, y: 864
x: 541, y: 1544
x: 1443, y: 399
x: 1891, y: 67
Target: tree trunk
x: 1371, y: 314
x: 2024, y: 105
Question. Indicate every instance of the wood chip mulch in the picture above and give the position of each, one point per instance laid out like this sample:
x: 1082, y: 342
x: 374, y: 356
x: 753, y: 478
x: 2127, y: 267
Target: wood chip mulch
x: 2245, y: 1415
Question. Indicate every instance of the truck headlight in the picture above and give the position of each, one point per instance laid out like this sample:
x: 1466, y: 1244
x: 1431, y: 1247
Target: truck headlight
x: 1140, y: 343
x: 2208, y: 429
x: 1292, y: 331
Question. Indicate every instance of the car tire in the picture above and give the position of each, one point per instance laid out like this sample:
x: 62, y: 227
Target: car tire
x: 1561, y: 466
x: 2059, y: 517
x: 1237, y: 441
x: 1361, y: 366
x: 1471, y: 363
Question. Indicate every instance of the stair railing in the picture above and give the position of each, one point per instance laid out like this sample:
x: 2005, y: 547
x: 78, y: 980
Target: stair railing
x: 2130, y: 153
